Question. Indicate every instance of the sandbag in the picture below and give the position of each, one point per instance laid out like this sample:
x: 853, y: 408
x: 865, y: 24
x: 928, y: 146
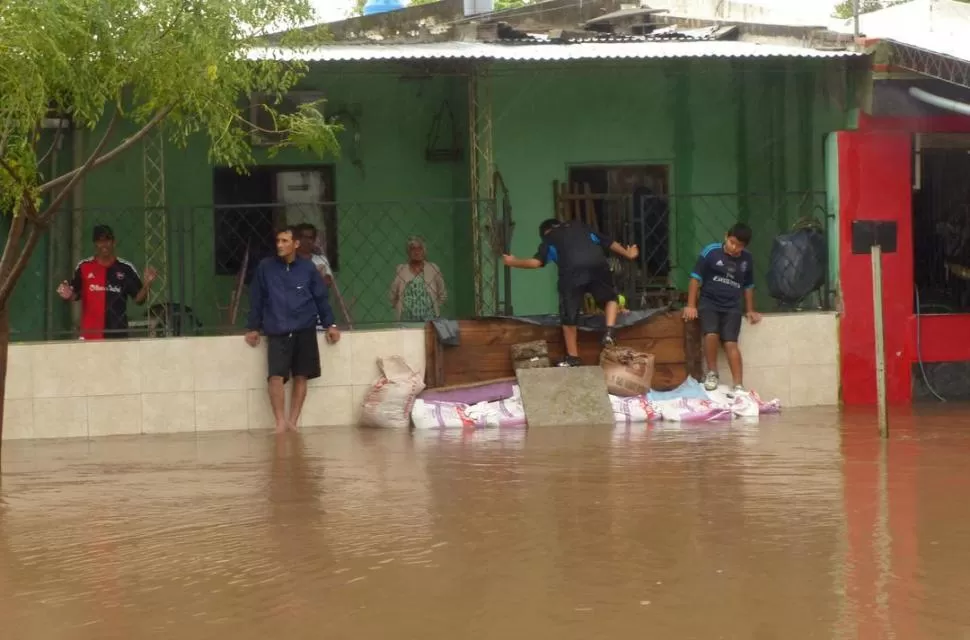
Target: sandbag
x: 628, y: 372
x: 388, y: 403
x: 797, y: 266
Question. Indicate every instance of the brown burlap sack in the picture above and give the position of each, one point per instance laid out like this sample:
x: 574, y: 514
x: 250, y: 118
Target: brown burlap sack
x: 628, y: 372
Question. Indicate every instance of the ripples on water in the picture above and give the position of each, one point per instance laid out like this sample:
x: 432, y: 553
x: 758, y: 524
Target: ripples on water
x: 797, y: 527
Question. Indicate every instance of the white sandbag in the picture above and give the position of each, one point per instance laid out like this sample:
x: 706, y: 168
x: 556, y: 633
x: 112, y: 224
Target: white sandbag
x: 456, y: 415
x: 633, y: 410
x: 388, y: 403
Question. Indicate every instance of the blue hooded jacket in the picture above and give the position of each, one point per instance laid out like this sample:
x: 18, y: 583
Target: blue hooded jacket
x: 284, y: 298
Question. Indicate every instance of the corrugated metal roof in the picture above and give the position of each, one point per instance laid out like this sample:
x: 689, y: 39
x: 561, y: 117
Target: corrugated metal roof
x: 542, y: 52
x: 936, y: 26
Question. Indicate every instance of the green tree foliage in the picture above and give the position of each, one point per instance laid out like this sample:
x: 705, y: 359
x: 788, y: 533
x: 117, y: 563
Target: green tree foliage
x: 178, y: 66
x: 844, y: 9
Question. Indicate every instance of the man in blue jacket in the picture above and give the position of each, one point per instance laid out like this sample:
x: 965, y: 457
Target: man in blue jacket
x: 286, y: 297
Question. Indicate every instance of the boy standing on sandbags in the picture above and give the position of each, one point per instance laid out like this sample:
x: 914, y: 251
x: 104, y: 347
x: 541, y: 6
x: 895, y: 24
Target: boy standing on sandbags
x: 578, y: 250
x: 723, y: 277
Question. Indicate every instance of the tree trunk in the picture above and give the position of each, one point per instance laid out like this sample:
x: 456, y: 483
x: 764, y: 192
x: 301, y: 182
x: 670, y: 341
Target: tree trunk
x: 4, y: 350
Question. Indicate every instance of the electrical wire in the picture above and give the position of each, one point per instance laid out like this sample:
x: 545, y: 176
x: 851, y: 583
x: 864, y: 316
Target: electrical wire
x: 919, y: 351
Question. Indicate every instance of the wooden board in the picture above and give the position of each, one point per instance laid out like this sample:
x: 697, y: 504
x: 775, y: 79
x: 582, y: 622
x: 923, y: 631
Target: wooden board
x: 485, y: 349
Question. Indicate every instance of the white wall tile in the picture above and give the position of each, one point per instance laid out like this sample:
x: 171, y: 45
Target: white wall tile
x: 814, y: 339
x: 171, y: 412
x: 114, y: 415
x: 18, y: 419
x: 20, y: 376
x: 336, y: 360
x: 60, y: 417
x: 814, y: 385
x: 221, y: 410
x: 167, y: 365
x: 368, y: 346
x: 329, y: 407
x: 227, y: 363
x: 770, y: 383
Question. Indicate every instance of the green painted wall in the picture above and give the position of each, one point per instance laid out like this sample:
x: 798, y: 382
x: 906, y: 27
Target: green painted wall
x: 724, y: 127
x: 397, y: 193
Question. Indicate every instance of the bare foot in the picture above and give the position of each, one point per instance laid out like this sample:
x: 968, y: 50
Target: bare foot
x: 281, y: 428
x: 291, y: 426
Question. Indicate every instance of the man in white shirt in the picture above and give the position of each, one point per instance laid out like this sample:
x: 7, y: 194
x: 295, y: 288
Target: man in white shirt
x: 310, y: 250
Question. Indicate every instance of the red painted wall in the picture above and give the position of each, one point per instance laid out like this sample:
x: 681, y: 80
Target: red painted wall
x: 875, y: 178
x: 875, y: 184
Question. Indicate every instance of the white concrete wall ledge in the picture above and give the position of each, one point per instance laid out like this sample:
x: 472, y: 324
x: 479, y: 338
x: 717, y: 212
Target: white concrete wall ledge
x: 177, y: 385
x: 88, y: 389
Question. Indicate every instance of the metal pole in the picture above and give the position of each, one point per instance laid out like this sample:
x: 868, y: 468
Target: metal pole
x: 880, y: 345
x: 855, y: 18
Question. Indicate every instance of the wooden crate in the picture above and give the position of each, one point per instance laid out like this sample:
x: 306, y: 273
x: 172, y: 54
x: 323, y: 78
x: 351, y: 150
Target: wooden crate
x: 485, y: 349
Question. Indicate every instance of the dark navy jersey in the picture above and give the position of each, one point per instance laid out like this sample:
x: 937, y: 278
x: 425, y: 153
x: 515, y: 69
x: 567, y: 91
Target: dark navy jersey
x: 578, y: 251
x: 723, y: 277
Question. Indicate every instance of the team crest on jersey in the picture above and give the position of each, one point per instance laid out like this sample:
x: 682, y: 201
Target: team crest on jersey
x: 744, y: 267
x: 120, y: 275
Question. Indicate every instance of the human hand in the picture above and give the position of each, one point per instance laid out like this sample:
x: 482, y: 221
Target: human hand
x: 633, y: 252
x: 690, y: 313
x: 507, y: 260
x: 252, y: 338
x: 150, y: 275
x: 333, y: 335
x: 753, y: 317
x: 65, y: 291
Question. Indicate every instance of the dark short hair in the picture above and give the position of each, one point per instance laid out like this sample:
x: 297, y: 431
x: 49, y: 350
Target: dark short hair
x: 740, y: 232
x: 305, y: 227
x: 102, y: 232
x: 290, y: 229
x: 547, y: 225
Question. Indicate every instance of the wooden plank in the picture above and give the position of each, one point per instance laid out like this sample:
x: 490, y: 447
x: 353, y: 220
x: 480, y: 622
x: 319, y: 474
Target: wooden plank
x: 498, y: 357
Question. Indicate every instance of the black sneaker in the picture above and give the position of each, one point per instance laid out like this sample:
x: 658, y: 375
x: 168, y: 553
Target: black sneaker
x: 570, y: 361
x: 608, y: 340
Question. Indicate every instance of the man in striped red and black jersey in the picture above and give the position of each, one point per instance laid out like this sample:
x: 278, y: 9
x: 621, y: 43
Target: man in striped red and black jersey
x: 103, y: 283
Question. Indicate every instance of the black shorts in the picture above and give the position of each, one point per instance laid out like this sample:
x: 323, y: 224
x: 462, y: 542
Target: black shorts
x: 726, y: 324
x: 294, y: 355
x: 572, y: 298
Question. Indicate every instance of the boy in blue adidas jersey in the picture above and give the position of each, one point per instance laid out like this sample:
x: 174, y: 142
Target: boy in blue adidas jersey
x: 721, y: 291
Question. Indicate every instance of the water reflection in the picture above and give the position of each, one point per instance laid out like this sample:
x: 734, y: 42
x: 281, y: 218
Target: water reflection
x: 802, y: 525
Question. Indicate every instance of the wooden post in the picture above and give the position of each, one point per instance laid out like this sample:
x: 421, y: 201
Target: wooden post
x: 876, y: 253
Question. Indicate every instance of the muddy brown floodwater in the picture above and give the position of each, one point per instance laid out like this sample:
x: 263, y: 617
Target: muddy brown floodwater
x: 802, y: 526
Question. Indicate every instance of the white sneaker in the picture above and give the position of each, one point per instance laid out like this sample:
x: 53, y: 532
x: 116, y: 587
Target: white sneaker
x: 738, y: 390
x: 711, y: 381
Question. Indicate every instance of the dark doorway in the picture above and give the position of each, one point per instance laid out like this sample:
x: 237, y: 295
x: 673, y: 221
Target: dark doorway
x: 247, y: 208
x: 941, y: 224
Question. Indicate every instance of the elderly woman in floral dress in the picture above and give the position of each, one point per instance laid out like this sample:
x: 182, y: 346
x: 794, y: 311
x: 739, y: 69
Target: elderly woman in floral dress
x: 418, y: 290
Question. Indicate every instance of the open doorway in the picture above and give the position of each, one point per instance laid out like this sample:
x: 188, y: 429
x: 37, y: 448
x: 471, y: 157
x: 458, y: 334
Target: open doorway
x: 941, y: 223
x: 630, y: 204
x: 247, y: 208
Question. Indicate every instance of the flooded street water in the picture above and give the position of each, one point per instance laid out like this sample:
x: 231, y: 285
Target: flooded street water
x: 802, y: 526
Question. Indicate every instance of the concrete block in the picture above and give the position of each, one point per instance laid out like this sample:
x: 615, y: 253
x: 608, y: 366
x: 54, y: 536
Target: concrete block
x: 565, y: 397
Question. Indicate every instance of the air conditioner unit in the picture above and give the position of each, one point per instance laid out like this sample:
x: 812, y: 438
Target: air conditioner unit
x: 264, y: 132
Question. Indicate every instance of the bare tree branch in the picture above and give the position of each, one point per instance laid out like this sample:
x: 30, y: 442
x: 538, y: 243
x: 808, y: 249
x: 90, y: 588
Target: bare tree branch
x: 10, y: 247
x: 44, y: 218
x: 57, y: 141
x: 10, y: 281
x: 114, y: 153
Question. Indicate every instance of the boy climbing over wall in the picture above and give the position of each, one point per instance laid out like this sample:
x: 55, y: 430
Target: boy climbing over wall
x: 578, y: 251
x: 723, y: 277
